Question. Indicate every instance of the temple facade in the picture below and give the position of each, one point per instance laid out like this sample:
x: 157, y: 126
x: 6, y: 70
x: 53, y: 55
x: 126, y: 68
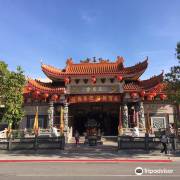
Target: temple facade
x: 98, y: 92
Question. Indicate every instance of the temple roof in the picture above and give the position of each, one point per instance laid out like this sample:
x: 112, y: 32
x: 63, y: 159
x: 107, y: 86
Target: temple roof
x: 154, y: 84
x: 103, y: 67
x: 43, y: 87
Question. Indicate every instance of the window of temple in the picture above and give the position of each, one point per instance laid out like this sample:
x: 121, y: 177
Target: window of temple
x: 42, y: 120
x: 77, y: 81
x: 85, y: 81
x: 103, y: 80
x: 112, y: 80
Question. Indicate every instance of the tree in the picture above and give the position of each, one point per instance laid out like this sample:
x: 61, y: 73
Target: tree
x: 11, y: 93
x: 173, y: 79
x: 178, y: 51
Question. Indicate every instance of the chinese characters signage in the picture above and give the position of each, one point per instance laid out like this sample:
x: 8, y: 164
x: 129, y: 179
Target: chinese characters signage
x: 94, y: 98
x: 95, y: 89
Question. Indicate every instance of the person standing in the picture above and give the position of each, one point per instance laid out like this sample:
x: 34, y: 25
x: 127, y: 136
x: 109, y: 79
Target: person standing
x: 76, y: 137
x: 164, y: 142
x: 171, y: 135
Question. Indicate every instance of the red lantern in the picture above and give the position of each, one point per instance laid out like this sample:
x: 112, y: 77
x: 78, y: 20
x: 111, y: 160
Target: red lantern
x: 37, y: 93
x: 93, y: 79
x: 119, y: 78
x: 54, y: 97
x: 150, y: 97
x: 154, y: 94
x: 142, y: 93
x: 133, y: 95
x: 29, y: 88
x: 45, y: 95
x: 67, y: 80
x: 163, y: 96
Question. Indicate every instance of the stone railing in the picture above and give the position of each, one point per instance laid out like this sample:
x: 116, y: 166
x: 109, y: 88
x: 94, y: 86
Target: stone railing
x: 146, y: 143
x: 32, y: 143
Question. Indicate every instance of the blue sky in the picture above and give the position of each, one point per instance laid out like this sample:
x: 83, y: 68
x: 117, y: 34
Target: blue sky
x: 53, y: 30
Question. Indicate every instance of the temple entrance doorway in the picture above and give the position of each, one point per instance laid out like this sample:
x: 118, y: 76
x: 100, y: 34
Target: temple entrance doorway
x: 104, y: 114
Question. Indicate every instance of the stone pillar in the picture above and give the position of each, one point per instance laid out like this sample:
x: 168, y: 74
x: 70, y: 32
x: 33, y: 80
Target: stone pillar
x: 51, y: 115
x: 133, y: 116
x: 120, y: 126
x: 141, y: 115
x: 137, y: 116
x: 66, y: 118
x: 125, y: 116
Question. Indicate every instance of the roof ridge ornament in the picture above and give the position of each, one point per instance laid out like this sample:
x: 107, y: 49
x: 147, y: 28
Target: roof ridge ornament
x: 69, y: 61
x: 87, y: 60
x: 41, y: 61
x: 119, y: 59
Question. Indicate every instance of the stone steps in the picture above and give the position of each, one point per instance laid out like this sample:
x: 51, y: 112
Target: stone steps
x: 109, y: 145
x: 84, y: 148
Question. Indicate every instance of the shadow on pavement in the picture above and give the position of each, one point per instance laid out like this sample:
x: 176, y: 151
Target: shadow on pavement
x: 84, y: 151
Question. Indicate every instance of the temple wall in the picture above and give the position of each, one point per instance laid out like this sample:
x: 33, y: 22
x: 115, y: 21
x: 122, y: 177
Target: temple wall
x: 160, y: 108
x: 30, y: 110
x: 167, y: 111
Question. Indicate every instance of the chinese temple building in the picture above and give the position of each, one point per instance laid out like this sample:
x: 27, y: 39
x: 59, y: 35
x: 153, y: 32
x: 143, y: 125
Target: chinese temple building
x: 102, y: 93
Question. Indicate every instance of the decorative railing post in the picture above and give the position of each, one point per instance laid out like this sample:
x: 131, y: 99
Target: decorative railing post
x: 9, y: 145
x: 35, y: 142
x: 146, y: 142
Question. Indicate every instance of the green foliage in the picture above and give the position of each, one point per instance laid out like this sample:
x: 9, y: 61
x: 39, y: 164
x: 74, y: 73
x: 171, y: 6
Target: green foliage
x: 178, y: 51
x: 173, y: 79
x: 12, y: 84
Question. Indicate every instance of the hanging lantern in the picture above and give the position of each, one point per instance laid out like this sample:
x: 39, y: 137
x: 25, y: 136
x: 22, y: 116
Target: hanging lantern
x: 93, y: 79
x: 37, y: 93
x: 29, y: 88
x: 142, y: 93
x: 134, y: 95
x: 54, y: 97
x: 45, y: 95
x: 154, y: 94
x: 163, y: 96
x: 150, y: 97
x: 67, y: 80
x: 119, y: 78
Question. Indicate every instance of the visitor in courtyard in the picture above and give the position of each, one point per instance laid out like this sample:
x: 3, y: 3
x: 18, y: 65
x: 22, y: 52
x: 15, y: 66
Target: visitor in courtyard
x: 171, y: 131
x: 76, y: 137
x: 164, y: 141
x: 171, y: 135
